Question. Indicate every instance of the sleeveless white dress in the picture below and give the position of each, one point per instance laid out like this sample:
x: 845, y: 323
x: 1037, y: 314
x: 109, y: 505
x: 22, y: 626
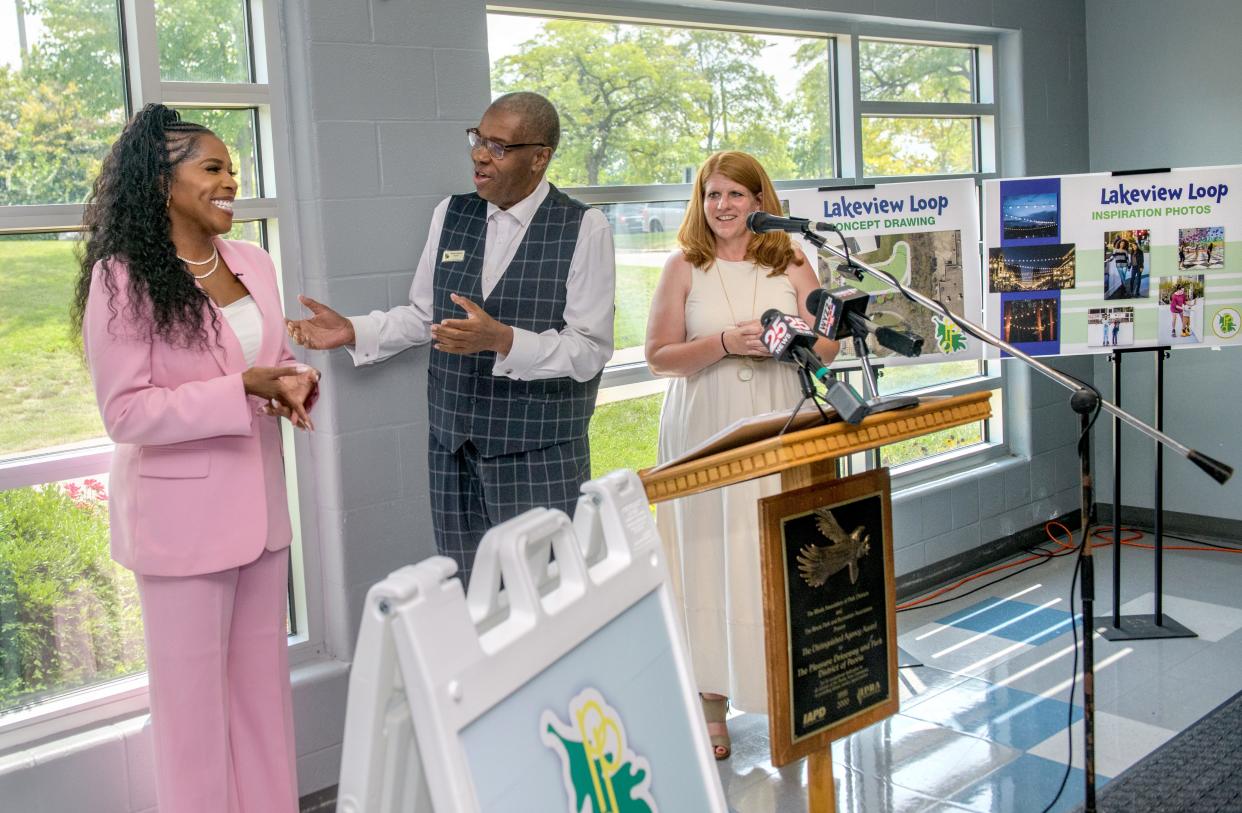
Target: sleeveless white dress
x: 711, y: 540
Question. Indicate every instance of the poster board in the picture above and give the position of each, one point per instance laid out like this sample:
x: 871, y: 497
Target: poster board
x: 568, y: 684
x: 829, y: 609
x: 1088, y: 263
x: 926, y: 235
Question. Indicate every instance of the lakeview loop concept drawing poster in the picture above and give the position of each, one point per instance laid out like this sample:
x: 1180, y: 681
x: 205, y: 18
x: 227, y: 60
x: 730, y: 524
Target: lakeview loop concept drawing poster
x: 926, y: 235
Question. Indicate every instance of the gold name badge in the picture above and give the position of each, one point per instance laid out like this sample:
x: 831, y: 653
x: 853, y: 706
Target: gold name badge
x: 452, y: 256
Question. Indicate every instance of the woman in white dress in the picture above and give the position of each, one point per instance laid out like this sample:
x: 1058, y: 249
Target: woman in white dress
x: 704, y: 333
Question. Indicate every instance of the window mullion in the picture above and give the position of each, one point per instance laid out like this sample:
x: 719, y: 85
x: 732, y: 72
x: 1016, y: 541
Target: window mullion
x: 142, y: 49
x: 926, y: 109
x: 43, y: 218
x: 849, y: 120
x: 214, y: 94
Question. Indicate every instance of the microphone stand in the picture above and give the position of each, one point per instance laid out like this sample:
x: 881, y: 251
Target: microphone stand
x: 1086, y: 402
x: 809, y: 390
x: 875, y: 402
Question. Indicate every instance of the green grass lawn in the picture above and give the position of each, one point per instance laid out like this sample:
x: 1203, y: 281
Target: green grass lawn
x: 46, y: 398
x: 623, y: 434
x: 946, y: 440
x: 646, y: 241
x: 635, y: 286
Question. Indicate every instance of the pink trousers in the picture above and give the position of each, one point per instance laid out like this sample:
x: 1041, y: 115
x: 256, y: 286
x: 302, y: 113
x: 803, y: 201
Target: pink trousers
x: 218, y: 671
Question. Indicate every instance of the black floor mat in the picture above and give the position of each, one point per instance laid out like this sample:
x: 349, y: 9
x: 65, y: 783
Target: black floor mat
x: 1199, y: 770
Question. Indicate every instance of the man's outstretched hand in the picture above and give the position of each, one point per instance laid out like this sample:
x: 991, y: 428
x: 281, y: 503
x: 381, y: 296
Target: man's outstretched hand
x: 477, y: 332
x: 324, y: 330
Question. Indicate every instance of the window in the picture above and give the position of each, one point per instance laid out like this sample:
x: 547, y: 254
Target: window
x: 62, y: 97
x: 69, y: 619
x: 642, y: 104
x: 920, y: 110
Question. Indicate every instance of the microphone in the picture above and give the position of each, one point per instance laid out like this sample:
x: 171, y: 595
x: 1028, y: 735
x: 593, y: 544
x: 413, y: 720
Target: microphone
x: 783, y: 335
x: 762, y: 222
x: 789, y: 338
x: 842, y: 312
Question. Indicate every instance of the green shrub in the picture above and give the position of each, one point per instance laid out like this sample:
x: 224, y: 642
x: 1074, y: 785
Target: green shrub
x: 69, y: 615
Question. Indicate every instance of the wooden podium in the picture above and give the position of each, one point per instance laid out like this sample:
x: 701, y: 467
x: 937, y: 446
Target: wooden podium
x: 808, y: 457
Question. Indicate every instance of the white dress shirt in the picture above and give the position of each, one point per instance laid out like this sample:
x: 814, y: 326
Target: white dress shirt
x: 578, y: 351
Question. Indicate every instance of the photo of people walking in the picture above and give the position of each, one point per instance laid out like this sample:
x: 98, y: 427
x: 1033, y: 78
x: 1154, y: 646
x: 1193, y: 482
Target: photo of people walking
x: 1126, y: 266
x: 1201, y: 248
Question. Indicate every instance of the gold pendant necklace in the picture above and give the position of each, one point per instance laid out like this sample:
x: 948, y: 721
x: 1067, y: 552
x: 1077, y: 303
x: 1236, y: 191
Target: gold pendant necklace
x: 745, y: 371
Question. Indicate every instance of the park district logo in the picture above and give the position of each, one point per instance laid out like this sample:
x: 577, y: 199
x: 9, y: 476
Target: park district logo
x: 1226, y: 323
x: 600, y: 772
x: 949, y: 337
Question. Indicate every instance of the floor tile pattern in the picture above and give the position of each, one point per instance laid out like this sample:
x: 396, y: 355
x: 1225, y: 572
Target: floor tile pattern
x: 987, y: 721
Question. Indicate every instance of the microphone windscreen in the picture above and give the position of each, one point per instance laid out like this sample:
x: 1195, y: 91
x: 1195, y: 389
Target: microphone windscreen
x: 770, y: 316
x: 755, y: 221
x: 815, y: 300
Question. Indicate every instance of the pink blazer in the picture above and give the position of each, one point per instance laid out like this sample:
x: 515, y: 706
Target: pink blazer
x: 197, y: 482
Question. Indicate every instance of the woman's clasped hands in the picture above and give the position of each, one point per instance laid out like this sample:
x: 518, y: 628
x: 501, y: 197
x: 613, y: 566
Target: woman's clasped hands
x: 745, y: 339
x: 289, y: 392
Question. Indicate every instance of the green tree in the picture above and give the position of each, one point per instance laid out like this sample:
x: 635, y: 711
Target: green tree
x: 738, y: 102
x: 617, y: 88
x: 65, y: 104
x: 891, y: 71
x: 810, y: 112
x: 640, y: 104
x: 50, y: 143
x: 899, y: 72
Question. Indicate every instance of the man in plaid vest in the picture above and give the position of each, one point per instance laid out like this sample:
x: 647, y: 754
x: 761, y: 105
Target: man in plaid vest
x: 515, y: 290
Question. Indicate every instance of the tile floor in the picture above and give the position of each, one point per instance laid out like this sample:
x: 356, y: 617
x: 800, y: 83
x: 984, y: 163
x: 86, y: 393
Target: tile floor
x: 983, y: 721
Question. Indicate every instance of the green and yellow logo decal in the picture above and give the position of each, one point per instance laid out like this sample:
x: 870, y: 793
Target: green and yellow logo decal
x: 1226, y: 323
x: 949, y: 337
x: 601, y: 773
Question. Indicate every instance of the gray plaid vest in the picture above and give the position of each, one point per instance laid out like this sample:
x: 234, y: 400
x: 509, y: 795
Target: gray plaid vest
x: 465, y: 401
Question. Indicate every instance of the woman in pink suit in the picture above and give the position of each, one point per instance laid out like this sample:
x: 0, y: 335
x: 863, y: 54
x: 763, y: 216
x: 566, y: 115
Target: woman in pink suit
x: 184, y: 336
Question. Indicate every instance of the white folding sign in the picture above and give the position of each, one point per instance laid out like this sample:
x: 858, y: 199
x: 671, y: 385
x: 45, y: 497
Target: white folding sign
x: 567, y: 689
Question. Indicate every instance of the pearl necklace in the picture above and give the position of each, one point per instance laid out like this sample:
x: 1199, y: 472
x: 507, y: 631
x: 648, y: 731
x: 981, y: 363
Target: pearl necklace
x: 214, y: 259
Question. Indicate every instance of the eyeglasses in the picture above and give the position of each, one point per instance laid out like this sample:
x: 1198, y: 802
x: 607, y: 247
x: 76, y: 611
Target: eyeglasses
x: 497, y: 150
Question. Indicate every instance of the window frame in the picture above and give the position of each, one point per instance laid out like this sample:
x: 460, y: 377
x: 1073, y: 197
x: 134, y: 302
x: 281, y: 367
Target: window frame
x: 275, y: 211
x: 848, y: 112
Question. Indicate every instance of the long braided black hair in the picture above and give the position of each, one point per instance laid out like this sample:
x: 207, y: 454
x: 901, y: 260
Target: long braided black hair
x: 127, y: 220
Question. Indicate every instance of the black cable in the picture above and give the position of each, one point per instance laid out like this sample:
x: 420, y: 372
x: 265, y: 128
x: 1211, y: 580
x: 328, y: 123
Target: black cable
x: 1045, y: 557
x: 1082, y: 551
x: 1069, y: 726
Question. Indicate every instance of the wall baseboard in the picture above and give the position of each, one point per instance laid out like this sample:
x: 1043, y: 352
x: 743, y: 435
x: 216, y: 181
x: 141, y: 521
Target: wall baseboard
x: 321, y: 801
x: 1195, y: 526
x: 935, y: 575
x: 1175, y: 522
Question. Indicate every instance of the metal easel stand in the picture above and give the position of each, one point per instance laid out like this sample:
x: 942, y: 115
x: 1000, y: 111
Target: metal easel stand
x: 1153, y: 625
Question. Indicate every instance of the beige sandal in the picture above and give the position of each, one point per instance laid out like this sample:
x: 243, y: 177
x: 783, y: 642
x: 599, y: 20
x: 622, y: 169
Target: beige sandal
x: 715, y: 710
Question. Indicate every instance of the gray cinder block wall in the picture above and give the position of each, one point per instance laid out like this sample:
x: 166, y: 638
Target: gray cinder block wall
x: 1173, y: 106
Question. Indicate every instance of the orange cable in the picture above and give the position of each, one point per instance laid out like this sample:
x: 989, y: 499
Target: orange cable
x: 1099, y: 533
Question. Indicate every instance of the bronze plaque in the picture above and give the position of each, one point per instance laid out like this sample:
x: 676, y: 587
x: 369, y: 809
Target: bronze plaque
x: 829, y: 612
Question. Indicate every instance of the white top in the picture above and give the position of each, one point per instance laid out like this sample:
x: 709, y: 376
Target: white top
x: 246, y: 320
x: 579, y: 351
